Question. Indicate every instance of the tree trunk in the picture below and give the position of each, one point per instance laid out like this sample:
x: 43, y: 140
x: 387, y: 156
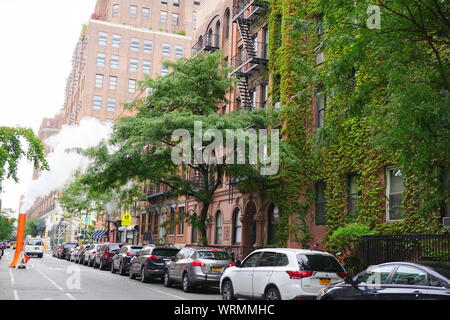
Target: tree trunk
x: 202, y: 223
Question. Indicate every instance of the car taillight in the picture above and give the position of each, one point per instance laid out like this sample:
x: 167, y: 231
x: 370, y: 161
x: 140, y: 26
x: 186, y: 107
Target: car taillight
x: 196, y: 263
x: 299, y: 274
x: 105, y: 254
x: 231, y: 264
x: 62, y: 250
x: 343, y: 275
x: 130, y: 254
x: 94, y: 252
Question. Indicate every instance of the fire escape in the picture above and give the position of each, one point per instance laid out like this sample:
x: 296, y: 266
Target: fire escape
x: 253, y: 56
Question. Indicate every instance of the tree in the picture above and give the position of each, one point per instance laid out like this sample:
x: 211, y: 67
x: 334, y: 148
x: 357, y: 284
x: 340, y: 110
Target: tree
x: 142, y: 148
x: 12, y: 150
x: 6, y: 223
x: 35, y: 227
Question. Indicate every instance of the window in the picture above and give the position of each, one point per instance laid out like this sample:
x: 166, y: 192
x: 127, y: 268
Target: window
x: 133, y: 65
x: 133, y: 12
x: 251, y: 261
x: 181, y: 223
x: 353, y: 193
x: 116, y: 41
x: 112, y: 83
x: 148, y: 46
x: 163, y: 17
x: 164, y: 1
x: 102, y: 38
x: 176, y: 3
x: 134, y: 44
x: 114, y: 62
x: 237, y: 227
x: 318, y: 262
x: 265, y: 42
x: 218, y: 237
x: 145, y: 13
x: 146, y: 67
x: 227, y: 23
x: 131, y: 86
x: 178, y: 52
x: 320, y: 203
x: 166, y: 50
x: 175, y: 19
x: 99, y: 81
x: 197, y: 2
x: 115, y: 10
x: 264, y: 94
x: 282, y: 260
x: 410, y: 276
x: 217, y: 35
x: 376, y: 275
x: 321, y: 106
x: 394, y: 192
x: 253, y: 98
x: 97, y: 103
x: 172, y: 221
x: 194, y: 18
x: 164, y: 71
x: 101, y: 59
x: 271, y: 225
x: 268, y: 259
x: 255, y: 45
x: 111, y: 104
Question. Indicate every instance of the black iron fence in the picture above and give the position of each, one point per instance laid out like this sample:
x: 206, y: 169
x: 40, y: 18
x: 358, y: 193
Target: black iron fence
x: 378, y: 249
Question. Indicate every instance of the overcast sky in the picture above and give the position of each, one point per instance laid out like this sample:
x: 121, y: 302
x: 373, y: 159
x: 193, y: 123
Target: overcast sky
x: 37, y: 41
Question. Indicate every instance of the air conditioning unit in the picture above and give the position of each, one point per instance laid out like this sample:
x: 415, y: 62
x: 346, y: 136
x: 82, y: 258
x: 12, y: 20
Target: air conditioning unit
x: 278, y: 105
x: 446, y: 221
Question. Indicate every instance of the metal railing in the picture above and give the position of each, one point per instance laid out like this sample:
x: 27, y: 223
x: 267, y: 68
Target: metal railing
x: 207, y: 42
x: 247, y: 61
x: 241, y: 6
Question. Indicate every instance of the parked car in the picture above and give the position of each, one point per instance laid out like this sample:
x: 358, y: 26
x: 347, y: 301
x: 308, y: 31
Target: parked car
x: 423, y: 280
x: 55, y: 250
x: 103, y: 257
x: 78, y: 255
x: 64, y: 250
x: 281, y: 274
x: 121, y: 261
x: 71, y: 254
x: 150, y: 262
x: 197, y: 267
x: 90, y: 254
x: 34, y: 247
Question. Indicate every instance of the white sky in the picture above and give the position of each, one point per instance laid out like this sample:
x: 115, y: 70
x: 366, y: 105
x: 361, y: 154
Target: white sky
x: 37, y: 38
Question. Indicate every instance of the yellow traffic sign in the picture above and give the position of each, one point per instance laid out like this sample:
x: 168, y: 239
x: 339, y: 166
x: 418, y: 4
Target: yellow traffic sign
x: 126, y: 219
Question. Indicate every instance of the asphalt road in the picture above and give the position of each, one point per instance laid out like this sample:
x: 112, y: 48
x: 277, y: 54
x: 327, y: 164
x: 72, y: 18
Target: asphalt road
x: 50, y: 278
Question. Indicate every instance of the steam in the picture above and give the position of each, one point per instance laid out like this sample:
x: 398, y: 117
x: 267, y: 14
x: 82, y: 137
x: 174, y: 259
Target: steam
x: 64, y: 164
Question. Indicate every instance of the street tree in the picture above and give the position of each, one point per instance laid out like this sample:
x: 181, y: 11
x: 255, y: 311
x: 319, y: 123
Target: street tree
x: 142, y: 148
x: 6, y: 223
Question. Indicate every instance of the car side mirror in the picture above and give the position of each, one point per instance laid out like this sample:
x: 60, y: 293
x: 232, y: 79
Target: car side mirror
x: 238, y: 264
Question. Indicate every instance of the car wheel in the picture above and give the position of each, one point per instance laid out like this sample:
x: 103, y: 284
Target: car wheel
x: 143, y: 277
x: 131, y: 274
x: 272, y: 294
x: 187, y: 286
x: 112, y: 268
x: 167, y: 281
x: 228, y: 291
x: 121, y: 269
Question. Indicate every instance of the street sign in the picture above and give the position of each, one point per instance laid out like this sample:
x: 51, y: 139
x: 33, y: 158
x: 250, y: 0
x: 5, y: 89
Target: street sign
x: 126, y: 219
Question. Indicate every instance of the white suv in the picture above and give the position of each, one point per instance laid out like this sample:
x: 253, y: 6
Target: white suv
x: 281, y: 274
x: 34, y: 247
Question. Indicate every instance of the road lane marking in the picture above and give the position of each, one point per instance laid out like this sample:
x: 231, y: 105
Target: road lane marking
x: 71, y: 297
x: 15, y: 293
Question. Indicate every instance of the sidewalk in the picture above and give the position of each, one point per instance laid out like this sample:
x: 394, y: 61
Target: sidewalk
x: 6, y: 286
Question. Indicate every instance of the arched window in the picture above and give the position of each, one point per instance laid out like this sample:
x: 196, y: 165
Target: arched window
x: 218, y: 227
x: 271, y: 225
x: 237, y: 227
x: 200, y: 41
x: 217, y: 40
x: 162, y: 229
x: 209, y: 41
x: 227, y: 24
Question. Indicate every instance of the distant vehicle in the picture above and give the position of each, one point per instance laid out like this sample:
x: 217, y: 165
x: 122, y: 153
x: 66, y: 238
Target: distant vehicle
x: 281, y: 274
x: 90, y: 254
x: 79, y: 255
x: 72, y: 254
x: 103, y: 257
x: 150, y: 262
x: 121, y: 261
x: 422, y: 280
x: 34, y: 247
x: 64, y: 250
x: 194, y: 266
x: 55, y: 250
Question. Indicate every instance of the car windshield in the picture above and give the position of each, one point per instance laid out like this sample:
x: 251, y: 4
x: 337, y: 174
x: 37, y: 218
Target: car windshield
x: 134, y: 250
x: 70, y: 245
x: 318, y: 262
x: 114, y: 246
x: 442, y: 268
x: 35, y: 242
x: 165, y: 252
x: 213, y: 255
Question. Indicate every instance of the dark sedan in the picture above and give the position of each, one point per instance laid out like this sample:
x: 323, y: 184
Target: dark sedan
x: 423, y: 280
x: 103, y: 257
x: 121, y: 261
x: 64, y: 250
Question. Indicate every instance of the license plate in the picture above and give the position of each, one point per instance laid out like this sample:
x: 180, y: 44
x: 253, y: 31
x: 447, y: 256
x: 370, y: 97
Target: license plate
x: 325, y: 282
x: 217, y: 269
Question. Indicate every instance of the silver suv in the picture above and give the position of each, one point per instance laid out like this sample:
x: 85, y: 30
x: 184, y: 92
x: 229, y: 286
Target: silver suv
x: 194, y: 266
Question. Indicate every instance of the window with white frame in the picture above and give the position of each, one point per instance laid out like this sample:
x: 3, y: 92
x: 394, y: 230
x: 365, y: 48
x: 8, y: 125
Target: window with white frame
x: 163, y: 17
x: 133, y: 12
x: 166, y: 50
x: 134, y: 44
x: 133, y: 65
x: 112, y: 83
x: 176, y: 3
x: 178, y: 52
x: 146, y: 67
x: 115, y: 10
x: 175, y: 19
x: 164, y: 71
x: 102, y: 38
x: 111, y: 105
x: 321, y: 106
x: 181, y: 218
x: 99, y: 81
x: 164, y: 1
x: 218, y: 233
x: 148, y: 46
x: 394, y: 192
x: 114, y: 62
x: 116, y: 40
x: 131, y: 86
x: 145, y: 13
x: 101, y: 57
x: 97, y: 102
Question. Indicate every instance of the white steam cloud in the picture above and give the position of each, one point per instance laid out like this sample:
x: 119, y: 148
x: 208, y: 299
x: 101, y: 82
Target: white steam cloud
x: 64, y: 164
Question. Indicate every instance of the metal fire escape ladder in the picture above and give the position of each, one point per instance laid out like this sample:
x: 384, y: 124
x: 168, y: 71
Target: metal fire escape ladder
x: 244, y: 29
x: 244, y: 93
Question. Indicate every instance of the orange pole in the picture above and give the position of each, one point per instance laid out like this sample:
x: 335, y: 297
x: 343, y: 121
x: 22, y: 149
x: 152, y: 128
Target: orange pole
x: 19, y: 239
